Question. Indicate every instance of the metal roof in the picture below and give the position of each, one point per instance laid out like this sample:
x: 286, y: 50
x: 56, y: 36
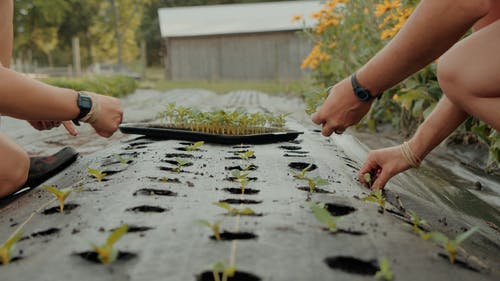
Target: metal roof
x: 235, y: 18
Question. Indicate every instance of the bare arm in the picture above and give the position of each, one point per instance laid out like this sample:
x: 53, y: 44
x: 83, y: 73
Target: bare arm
x: 6, y: 31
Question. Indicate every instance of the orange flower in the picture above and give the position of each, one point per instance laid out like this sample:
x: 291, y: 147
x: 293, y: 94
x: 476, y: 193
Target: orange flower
x: 297, y: 18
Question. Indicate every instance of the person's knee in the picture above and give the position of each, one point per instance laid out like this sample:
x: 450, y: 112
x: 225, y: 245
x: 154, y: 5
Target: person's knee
x: 16, y: 176
x: 452, y: 78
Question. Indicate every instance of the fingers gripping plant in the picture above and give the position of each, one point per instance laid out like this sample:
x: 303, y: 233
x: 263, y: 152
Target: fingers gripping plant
x: 106, y: 252
x: 451, y: 246
x: 323, y: 216
x: 7, y: 248
x: 235, y: 211
x: 368, y: 179
x: 377, y: 197
x: 97, y: 174
x: 195, y: 146
x: 214, y: 227
x: 219, y: 268
x: 61, y: 194
x: 315, y: 182
x: 385, y: 272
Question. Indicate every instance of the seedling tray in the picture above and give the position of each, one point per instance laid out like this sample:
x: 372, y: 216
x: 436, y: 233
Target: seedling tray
x: 158, y: 131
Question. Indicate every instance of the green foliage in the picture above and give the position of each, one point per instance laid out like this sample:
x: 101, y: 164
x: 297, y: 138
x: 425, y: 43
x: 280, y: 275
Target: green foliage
x: 123, y: 160
x: 60, y: 194
x: 385, y: 272
x: 107, y: 254
x: 241, y: 178
x: 417, y: 223
x: 451, y: 246
x: 215, y: 227
x: 235, y: 211
x: 8, y: 247
x: 195, y: 146
x: 323, y: 216
x: 219, y: 268
x: 180, y: 163
x: 116, y: 86
x: 98, y: 175
x: 246, y: 155
x: 368, y: 179
x: 377, y: 197
x: 302, y: 174
x: 315, y: 182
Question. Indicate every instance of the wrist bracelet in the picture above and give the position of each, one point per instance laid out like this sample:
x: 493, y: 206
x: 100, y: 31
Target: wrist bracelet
x: 91, y: 117
x: 410, y: 157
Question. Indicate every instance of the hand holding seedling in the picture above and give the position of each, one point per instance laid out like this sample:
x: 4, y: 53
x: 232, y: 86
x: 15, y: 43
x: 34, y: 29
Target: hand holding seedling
x: 323, y: 216
x: 214, y: 227
x: 8, y: 247
x: 61, y: 194
x: 451, y: 246
x: 106, y: 252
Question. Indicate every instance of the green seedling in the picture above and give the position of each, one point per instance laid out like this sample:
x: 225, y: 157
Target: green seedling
x: 246, y: 155
x: 385, y: 272
x: 80, y: 189
x: 315, y: 182
x: 235, y: 211
x: 214, y: 227
x: 122, y: 159
x: 368, y: 179
x: 377, y: 197
x: 61, y: 194
x: 195, y: 146
x: 248, y: 167
x: 417, y: 223
x: 7, y: 248
x: 302, y: 174
x: 97, y: 174
x: 219, y: 268
x: 323, y: 216
x: 106, y: 252
x: 241, y: 178
x: 164, y: 179
x: 451, y: 246
x: 180, y: 163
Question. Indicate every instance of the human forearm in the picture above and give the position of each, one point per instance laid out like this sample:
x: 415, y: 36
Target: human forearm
x: 25, y: 98
x: 445, y: 118
x: 6, y: 31
x: 432, y: 29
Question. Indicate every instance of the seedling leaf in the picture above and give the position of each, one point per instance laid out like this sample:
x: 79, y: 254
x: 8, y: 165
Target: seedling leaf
x: 302, y: 174
x: 7, y: 247
x: 116, y: 235
x: 98, y: 175
x: 214, y: 227
x: 368, y: 179
x: 461, y: 237
x: 194, y: 146
x: 323, y: 216
x: 60, y: 194
x: 385, y: 272
x: 122, y: 159
x: 377, y: 197
x: 106, y: 252
x: 246, y: 155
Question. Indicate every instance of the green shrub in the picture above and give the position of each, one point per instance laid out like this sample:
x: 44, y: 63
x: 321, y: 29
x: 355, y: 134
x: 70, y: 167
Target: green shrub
x: 116, y: 86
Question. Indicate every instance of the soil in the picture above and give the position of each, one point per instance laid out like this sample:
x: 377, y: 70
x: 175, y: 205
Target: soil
x: 238, y: 276
x: 93, y: 257
x: 229, y: 236
x: 352, y: 265
x: 147, y: 209
x: 157, y: 192
x: 302, y: 165
x: 57, y: 210
x: 240, y: 201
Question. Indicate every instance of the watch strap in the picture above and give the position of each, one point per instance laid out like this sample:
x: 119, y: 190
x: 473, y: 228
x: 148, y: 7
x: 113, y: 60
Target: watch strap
x: 83, y: 102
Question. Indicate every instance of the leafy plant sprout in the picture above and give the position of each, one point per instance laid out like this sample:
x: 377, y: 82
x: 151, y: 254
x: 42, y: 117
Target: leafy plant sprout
x: 385, y: 272
x: 323, y: 216
x: 246, y: 155
x: 417, y: 224
x: 7, y: 248
x: 451, y: 246
x: 368, y: 179
x: 180, y: 163
x: 215, y: 227
x: 195, y: 146
x: 302, y: 174
x: 123, y: 160
x: 61, y: 194
x: 97, y: 174
x: 315, y: 182
x: 241, y: 178
x: 377, y: 197
x: 219, y: 268
x: 105, y: 252
x: 235, y: 211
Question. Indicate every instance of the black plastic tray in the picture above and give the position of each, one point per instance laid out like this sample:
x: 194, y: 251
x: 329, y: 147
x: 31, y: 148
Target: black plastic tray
x: 158, y: 131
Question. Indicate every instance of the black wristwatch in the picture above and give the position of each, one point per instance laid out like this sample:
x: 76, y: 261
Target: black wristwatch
x: 84, y: 103
x: 360, y: 92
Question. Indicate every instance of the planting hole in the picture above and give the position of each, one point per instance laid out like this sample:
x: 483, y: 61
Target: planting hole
x: 248, y: 178
x: 459, y: 263
x: 338, y: 210
x: 228, y: 236
x: 240, y: 201
x: 238, y: 276
x: 350, y: 232
x: 55, y: 210
x: 175, y: 163
x: 241, y: 146
x: 352, y: 265
x: 147, y: 209
x: 42, y: 233
x: 302, y: 165
x: 151, y: 192
x: 294, y: 155
x: 134, y: 228
x: 316, y: 190
x: 351, y: 166
x: 178, y: 155
x: 94, y: 258
x: 171, y: 169
x: 14, y: 259
x: 290, y: 147
x: 251, y: 167
x: 291, y: 152
x: 164, y: 179
x: 248, y: 191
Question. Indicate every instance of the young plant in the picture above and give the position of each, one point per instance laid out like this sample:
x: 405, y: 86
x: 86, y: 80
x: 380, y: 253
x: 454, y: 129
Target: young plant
x: 61, y: 194
x: 220, y: 268
x: 97, y: 174
x: 122, y: 159
x: 451, y: 246
x: 377, y: 197
x: 323, y: 216
x: 235, y: 211
x: 302, y: 174
x: 214, y: 227
x: 180, y: 163
x: 106, y: 252
x: 315, y: 182
x: 248, y: 167
x: 368, y: 179
x: 7, y: 248
x: 385, y: 272
x: 246, y: 155
x: 164, y: 179
x: 417, y: 224
x: 195, y: 146
x: 241, y: 178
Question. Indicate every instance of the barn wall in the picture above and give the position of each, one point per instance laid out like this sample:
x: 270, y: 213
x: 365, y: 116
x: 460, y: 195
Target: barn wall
x: 260, y: 56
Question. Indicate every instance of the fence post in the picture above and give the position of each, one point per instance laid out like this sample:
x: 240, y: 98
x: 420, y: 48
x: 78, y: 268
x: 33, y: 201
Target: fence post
x: 76, y: 57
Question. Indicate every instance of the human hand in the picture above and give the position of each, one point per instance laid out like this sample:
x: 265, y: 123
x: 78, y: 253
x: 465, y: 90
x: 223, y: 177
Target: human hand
x: 109, y: 115
x: 383, y: 164
x: 42, y: 125
x: 341, y: 109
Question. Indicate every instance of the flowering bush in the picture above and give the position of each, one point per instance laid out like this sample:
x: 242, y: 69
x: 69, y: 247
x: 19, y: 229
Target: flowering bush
x: 347, y: 35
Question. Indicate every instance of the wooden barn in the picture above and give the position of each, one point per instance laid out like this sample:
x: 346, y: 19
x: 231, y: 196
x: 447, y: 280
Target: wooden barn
x: 236, y: 41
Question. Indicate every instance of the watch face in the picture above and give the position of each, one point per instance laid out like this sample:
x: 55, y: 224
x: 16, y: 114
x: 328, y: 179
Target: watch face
x: 85, y: 102
x: 363, y: 94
